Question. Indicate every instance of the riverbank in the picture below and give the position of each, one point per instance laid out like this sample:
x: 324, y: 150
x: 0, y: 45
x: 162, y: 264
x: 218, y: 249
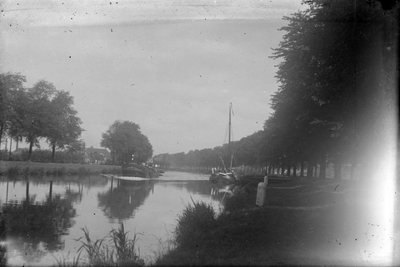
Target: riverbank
x: 38, y: 168
x: 305, y: 222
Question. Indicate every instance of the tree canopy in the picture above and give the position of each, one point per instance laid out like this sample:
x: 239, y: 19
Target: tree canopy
x: 38, y: 112
x: 127, y: 143
x: 333, y: 85
x: 246, y: 151
x: 337, y: 73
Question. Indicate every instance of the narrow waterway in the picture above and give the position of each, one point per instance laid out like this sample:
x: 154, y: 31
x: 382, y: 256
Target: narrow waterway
x: 44, y: 216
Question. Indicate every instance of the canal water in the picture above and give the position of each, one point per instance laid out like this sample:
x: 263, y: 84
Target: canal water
x: 44, y: 216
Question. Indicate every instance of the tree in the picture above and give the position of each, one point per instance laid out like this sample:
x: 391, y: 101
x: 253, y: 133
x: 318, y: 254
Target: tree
x: 64, y: 125
x: 248, y: 150
x: 125, y: 141
x: 332, y: 90
x: 33, y: 112
x: 9, y: 85
x: 77, y: 146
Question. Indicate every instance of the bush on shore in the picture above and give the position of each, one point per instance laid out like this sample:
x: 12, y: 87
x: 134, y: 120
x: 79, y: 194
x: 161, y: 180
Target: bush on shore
x: 193, y: 223
x: 239, y: 200
x: 43, y: 155
x: 55, y: 171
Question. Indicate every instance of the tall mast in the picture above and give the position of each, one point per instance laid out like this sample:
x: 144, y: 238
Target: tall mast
x: 229, y: 138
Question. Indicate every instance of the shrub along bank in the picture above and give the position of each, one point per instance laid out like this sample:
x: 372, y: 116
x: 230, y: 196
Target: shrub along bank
x: 43, y: 155
x: 305, y: 222
x: 38, y: 168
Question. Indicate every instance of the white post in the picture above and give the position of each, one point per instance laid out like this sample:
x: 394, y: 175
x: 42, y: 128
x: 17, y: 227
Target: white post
x: 262, y: 192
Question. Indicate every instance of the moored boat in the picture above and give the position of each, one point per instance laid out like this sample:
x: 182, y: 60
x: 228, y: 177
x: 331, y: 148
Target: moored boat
x: 225, y: 175
x: 134, y: 170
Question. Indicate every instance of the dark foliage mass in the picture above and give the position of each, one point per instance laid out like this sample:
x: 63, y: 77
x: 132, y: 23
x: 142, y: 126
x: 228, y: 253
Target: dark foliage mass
x: 246, y: 152
x: 38, y: 112
x: 337, y: 81
x: 127, y: 143
x: 193, y: 223
x: 41, y: 155
x: 336, y: 101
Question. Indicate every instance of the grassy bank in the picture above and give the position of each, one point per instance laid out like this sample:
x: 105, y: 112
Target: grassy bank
x: 305, y: 222
x: 37, y: 168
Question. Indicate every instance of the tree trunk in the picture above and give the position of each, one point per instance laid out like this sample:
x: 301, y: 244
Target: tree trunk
x: 337, y: 171
x: 302, y: 169
x: 322, y: 165
x: 53, y: 152
x: 270, y: 167
x: 294, y: 170
x: 1, y: 132
x: 9, y: 153
x: 309, y: 170
x: 30, y: 150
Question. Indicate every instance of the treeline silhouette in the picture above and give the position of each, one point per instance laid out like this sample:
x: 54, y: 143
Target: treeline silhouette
x: 336, y: 99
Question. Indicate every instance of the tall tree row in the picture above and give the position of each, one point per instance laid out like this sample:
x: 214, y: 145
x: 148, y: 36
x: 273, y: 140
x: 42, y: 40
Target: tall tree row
x: 337, y: 96
x: 246, y: 151
x: 334, y: 86
x: 39, y: 112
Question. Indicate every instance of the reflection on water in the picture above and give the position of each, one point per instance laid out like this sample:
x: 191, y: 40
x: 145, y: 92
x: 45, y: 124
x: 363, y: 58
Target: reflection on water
x: 41, y: 218
x: 122, y: 201
x: 220, y: 191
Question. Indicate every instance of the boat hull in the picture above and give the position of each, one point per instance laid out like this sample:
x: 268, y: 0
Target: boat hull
x: 126, y: 178
x: 222, y: 177
x: 133, y: 170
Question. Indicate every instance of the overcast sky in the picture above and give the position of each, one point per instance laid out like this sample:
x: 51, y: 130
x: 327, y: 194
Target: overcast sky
x: 172, y: 67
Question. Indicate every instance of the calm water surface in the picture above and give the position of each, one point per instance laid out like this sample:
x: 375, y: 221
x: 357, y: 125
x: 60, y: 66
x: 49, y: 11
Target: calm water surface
x: 43, y: 217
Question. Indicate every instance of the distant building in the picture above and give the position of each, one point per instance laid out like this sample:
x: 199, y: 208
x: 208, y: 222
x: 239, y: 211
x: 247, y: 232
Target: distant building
x: 97, y: 155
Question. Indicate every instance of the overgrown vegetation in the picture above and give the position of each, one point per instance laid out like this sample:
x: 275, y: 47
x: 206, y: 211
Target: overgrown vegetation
x: 47, y: 170
x: 115, y: 249
x: 66, y: 262
x: 43, y: 155
x: 194, y: 224
x: 306, y: 222
x: 240, y: 200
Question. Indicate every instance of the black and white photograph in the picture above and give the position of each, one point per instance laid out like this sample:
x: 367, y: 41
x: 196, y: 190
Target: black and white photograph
x: 199, y: 133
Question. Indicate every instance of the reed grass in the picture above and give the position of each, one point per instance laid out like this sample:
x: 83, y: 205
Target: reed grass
x: 65, y: 262
x: 164, y: 246
x: 118, y: 251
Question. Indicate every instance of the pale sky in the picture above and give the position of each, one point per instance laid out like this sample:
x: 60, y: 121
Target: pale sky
x: 170, y: 66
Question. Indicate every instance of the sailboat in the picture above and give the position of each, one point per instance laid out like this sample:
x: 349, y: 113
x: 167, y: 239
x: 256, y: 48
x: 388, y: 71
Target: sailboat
x: 225, y: 175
